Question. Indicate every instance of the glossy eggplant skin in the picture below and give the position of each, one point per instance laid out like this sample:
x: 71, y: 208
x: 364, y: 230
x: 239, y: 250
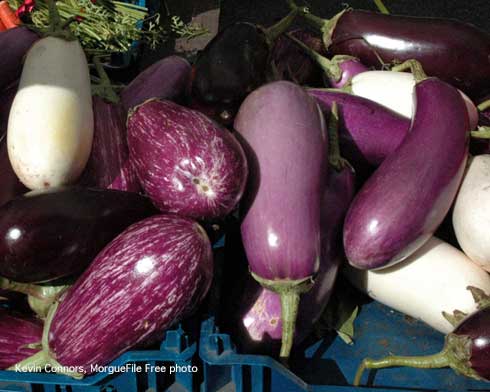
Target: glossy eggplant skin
x: 455, y: 52
x: 52, y: 234
x: 476, y: 327
x: 10, y: 187
x: 406, y: 199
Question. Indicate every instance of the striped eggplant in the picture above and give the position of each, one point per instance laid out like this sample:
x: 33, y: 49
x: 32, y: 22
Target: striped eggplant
x: 283, y: 132
x: 19, y: 336
x: 168, y: 78
x: 406, y: 199
x: 10, y: 186
x: 186, y: 163
x: 46, y: 235
x: 14, y: 44
x: 108, y: 166
x: 147, y: 279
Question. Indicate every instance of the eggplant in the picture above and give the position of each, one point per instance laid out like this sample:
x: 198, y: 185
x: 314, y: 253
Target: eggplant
x: 236, y: 62
x: 369, y: 132
x: 456, y: 52
x: 109, y: 166
x: 466, y: 349
x: 19, y: 337
x: 11, y: 186
x: 147, y: 279
x: 186, y: 163
x: 168, y: 78
x: 284, y: 136
x: 6, y: 98
x: 46, y: 235
x: 14, y: 43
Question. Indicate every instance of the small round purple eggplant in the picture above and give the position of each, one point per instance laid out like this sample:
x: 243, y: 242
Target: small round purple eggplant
x: 19, y: 335
x: 466, y: 350
x: 284, y: 136
x: 168, y: 78
x: 406, y: 199
x: 46, y: 235
x: 147, y: 279
x: 109, y: 166
x: 186, y: 163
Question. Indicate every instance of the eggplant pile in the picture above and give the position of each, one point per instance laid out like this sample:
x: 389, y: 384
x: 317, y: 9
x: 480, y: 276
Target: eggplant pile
x: 319, y: 152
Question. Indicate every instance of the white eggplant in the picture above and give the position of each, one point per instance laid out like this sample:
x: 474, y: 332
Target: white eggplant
x: 50, y: 129
x: 431, y: 281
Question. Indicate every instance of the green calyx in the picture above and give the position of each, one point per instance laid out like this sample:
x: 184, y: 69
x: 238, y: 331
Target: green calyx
x: 414, y: 66
x: 290, y: 292
x: 335, y: 158
x: 273, y: 32
x: 105, y: 88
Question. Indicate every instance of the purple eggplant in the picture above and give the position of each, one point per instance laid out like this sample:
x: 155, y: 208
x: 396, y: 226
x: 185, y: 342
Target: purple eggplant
x: 283, y: 133
x: 109, y: 166
x: 11, y: 186
x: 455, y: 52
x: 369, y: 132
x: 186, y: 163
x: 406, y: 199
x: 19, y: 336
x: 143, y: 282
x: 6, y: 98
x: 466, y: 349
x: 14, y: 43
x: 168, y: 78
x: 291, y: 63
x: 46, y: 235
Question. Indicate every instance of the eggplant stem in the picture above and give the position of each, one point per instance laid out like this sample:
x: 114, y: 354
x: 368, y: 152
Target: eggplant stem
x: 273, y: 32
x: 481, y: 298
x: 381, y: 7
x: 482, y: 132
x: 434, y: 361
x: 414, y: 66
x: 484, y: 105
x: 334, y: 156
x: 106, y: 91
x: 325, y: 26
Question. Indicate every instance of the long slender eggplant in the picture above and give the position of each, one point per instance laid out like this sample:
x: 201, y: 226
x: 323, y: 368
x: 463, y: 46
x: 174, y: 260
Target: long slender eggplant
x: 283, y: 133
x: 143, y: 282
x: 186, y: 163
x: 466, y: 349
x: 14, y: 43
x: 168, y: 78
x: 455, y: 52
x: 19, y: 337
x: 47, y: 235
x: 405, y: 200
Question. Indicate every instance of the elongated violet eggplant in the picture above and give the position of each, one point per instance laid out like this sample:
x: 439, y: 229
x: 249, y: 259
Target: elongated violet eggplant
x: 109, y: 165
x: 168, y: 78
x: 46, y: 235
x: 20, y: 337
x: 406, y: 199
x: 147, y: 279
x: 14, y: 43
x: 466, y: 349
x: 186, y: 163
x: 455, y: 52
x: 284, y: 136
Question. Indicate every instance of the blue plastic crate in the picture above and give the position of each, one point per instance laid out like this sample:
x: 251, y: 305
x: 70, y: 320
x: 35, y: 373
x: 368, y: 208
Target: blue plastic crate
x: 330, y: 365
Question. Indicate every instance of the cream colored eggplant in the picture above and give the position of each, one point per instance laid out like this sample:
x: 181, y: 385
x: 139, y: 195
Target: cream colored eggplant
x: 431, y: 281
x: 50, y: 128
x: 471, y: 213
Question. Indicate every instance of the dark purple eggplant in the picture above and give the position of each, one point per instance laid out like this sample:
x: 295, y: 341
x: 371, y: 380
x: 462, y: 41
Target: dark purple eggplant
x: 14, y: 44
x: 466, y: 349
x: 406, y: 199
x: 186, y: 163
x: 109, y: 166
x: 168, y: 78
x: 19, y: 337
x: 455, y: 52
x: 283, y: 133
x: 147, y: 279
x: 46, y: 235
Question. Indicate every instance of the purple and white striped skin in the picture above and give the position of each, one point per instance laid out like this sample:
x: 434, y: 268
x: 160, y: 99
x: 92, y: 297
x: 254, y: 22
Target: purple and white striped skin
x: 186, y: 163
x: 16, y: 332
x: 263, y: 319
x: 284, y: 136
x: 349, y: 67
x: 369, y: 132
x: 14, y: 44
x: 406, y: 199
x: 168, y: 78
x: 109, y: 166
x: 147, y: 279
